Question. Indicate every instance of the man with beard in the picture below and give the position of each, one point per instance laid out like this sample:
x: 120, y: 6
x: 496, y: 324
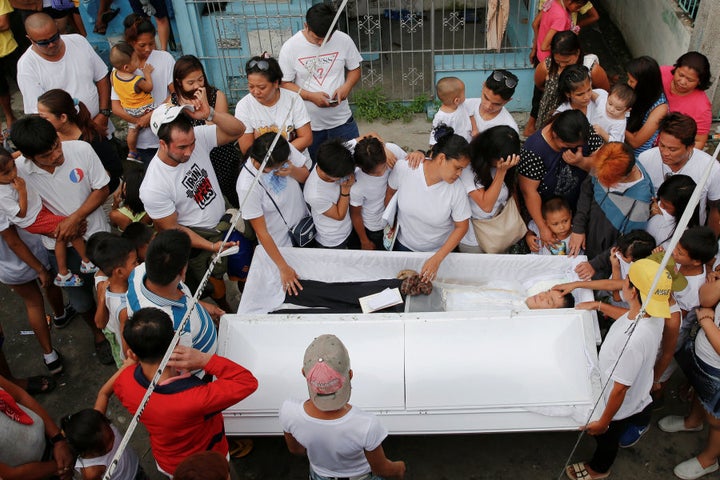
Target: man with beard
x: 180, y: 189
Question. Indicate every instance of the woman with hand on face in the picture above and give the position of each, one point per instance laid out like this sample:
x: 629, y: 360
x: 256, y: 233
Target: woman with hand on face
x: 684, y: 85
x: 140, y: 34
x: 188, y: 78
x: 433, y: 208
x: 277, y: 202
x: 554, y: 162
x: 264, y: 109
x: 491, y: 178
x: 650, y: 106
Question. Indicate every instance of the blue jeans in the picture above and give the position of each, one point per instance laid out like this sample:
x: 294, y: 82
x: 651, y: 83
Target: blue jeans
x: 81, y: 298
x: 347, y: 131
x: 704, y: 378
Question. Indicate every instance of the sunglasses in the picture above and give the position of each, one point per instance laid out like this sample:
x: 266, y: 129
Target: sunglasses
x: 45, y: 43
x: 509, y: 81
x: 261, y: 65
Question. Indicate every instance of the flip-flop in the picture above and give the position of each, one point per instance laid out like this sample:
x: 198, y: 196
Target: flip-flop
x: 578, y: 471
x: 106, y: 17
x: 40, y: 384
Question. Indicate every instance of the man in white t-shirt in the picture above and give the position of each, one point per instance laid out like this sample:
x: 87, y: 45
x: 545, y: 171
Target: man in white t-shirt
x: 180, y: 189
x: 676, y: 154
x: 489, y: 110
x: 336, y: 73
x: 71, y: 181
x: 67, y: 62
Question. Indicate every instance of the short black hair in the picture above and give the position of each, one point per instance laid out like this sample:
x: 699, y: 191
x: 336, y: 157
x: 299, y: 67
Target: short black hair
x: 112, y: 252
x: 182, y: 123
x: 554, y: 204
x: 335, y: 159
x: 261, y: 146
x: 319, y: 17
x: 92, y: 243
x: 499, y: 87
x: 84, y: 431
x: 33, y: 135
x: 700, y: 243
x: 167, y: 255
x: 636, y: 244
x: 273, y: 73
x: 149, y: 333
x: 679, y: 125
x: 369, y: 153
x: 138, y: 233
x: 568, y: 301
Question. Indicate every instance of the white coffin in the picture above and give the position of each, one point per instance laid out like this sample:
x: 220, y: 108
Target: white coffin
x: 427, y: 372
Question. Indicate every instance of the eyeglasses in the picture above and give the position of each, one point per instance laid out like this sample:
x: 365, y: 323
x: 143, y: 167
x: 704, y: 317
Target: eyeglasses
x: 261, y: 65
x: 510, y: 82
x: 45, y: 43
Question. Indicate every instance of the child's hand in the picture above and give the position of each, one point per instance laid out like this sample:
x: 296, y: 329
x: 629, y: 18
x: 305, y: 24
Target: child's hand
x: 533, y: 242
x: 18, y: 184
x: 658, y: 249
x: 148, y: 69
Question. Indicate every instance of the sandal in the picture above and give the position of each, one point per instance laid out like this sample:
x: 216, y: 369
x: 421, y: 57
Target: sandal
x: 40, y: 384
x: 240, y: 447
x: 73, y: 280
x: 103, y: 350
x: 578, y: 471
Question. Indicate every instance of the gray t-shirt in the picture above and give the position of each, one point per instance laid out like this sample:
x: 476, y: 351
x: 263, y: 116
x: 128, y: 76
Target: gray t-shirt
x: 21, y: 444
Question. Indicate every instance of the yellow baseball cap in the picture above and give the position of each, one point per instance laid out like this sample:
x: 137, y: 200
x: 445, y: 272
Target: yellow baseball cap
x: 642, y: 274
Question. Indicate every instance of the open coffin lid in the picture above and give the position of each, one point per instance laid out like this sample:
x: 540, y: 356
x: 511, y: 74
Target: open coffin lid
x: 422, y: 372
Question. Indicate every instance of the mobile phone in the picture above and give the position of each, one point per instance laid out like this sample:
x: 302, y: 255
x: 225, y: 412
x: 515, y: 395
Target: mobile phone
x: 333, y: 100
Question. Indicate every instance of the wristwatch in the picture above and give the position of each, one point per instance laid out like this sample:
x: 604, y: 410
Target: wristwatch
x: 59, y: 437
x: 106, y: 111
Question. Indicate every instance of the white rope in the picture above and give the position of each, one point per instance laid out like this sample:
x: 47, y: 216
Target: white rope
x: 679, y: 230
x: 191, y: 305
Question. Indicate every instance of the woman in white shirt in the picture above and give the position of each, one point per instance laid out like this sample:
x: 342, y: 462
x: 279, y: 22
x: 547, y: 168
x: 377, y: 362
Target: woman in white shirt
x: 276, y: 204
x: 576, y: 93
x: 264, y: 109
x: 491, y: 177
x: 433, y: 208
x: 700, y: 361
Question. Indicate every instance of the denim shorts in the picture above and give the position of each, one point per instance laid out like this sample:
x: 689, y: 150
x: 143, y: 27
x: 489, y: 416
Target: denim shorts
x: 704, y: 378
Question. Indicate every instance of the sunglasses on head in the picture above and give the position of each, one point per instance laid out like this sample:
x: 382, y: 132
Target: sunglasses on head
x: 45, y: 43
x: 261, y: 65
x: 509, y: 81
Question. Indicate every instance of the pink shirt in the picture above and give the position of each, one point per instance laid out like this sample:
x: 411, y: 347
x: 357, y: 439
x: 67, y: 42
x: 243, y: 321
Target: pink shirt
x: 695, y: 104
x: 554, y: 18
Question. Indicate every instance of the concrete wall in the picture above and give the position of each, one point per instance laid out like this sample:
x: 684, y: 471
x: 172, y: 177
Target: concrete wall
x: 705, y: 39
x: 652, y: 27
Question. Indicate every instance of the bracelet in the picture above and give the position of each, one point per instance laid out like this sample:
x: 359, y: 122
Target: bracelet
x: 704, y: 318
x: 211, y: 115
x: 344, y: 194
x: 57, y: 438
x: 299, y: 92
x: 599, y: 306
x: 213, y: 246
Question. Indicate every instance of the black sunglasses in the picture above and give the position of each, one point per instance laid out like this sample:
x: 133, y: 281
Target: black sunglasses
x: 510, y: 82
x: 261, y: 65
x: 45, y: 43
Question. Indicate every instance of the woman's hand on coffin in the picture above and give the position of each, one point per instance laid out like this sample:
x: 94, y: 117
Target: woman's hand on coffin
x: 577, y: 243
x: 429, y: 270
x: 585, y: 271
x: 596, y: 428
x: 586, y: 305
x: 290, y: 280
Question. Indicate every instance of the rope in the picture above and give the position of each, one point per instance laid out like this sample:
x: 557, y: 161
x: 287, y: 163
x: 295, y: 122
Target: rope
x: 679, y: 230
x: 196, y: 297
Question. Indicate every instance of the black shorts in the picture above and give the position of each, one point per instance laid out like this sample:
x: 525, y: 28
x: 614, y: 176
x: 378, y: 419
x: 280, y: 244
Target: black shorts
x: 160, y: 6
x: 58, y: 14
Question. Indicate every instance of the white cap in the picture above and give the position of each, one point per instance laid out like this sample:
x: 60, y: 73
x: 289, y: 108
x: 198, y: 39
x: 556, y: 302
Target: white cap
x: 165, y: 113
